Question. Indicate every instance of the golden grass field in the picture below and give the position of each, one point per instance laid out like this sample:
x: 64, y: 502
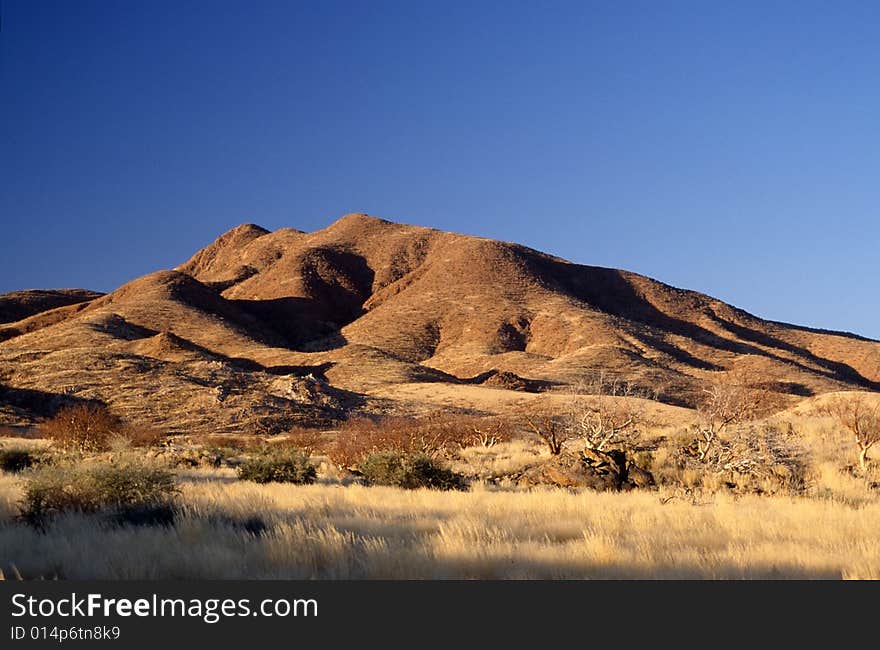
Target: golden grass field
x: 339, y: 529
x: 335, y: 531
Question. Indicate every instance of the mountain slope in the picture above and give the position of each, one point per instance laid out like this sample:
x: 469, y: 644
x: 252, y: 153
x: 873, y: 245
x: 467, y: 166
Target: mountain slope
x: 464, y: 304
x: 35, y: 308
x: 367, y: 304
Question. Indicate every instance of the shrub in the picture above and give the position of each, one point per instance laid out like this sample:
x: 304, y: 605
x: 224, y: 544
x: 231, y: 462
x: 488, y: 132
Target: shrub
x: 436, y: 435
x: 409, y: 471
x: 92, y: 427
x: 83, y: 427
x: 360, y: 436
x: 309, y: 441
x: 746, y: 459
x: 141, y: 436
x: 14, y: 459
x: 281, y: 465
x: 127, y: 486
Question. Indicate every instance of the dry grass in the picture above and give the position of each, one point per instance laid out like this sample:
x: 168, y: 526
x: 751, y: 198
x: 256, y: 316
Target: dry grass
x: 327, y: 531
x: 334, y: 529
x: 500, y: 460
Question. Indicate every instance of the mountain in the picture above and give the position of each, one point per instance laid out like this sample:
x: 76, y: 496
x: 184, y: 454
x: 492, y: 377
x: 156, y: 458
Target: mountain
x: 288, y: 326
x: 19, y: 305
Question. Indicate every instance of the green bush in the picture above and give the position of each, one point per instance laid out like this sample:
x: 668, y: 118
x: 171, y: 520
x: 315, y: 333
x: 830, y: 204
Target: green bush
x: 15, y: 459
x: 122, y: 487
x: 409, y: 471
x: 280, y: 465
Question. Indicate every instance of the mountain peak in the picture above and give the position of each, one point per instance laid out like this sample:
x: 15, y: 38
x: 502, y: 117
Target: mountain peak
x: 354, y: 221
x: 226, y: 245
x: 248, y: 226
x: 382, y: 305
x: 359, y: 217
x: 244, y: 231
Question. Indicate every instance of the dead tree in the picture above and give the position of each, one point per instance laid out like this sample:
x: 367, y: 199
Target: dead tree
x: 552, y: 429
x: 611, y: 418
x: 725, y: 401
x: 860, y: 416
x: 490, y: 433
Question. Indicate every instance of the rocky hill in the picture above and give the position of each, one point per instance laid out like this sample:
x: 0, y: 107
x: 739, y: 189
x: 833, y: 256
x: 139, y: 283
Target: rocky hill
x: 265, y: 328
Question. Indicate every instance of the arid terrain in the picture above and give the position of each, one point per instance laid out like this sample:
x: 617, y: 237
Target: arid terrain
x: 378, y: 400
x: 288, y: 327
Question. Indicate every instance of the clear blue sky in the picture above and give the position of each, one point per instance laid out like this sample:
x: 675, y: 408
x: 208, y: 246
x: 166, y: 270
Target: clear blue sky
x: 728, y: 147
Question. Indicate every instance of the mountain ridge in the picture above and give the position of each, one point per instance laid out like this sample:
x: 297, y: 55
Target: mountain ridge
x: 368, y: 304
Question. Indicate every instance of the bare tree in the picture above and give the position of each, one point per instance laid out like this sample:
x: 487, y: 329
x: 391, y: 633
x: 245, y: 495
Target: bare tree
x: 611, y: 417
x: 860, y: 416
x: 600, y: 410
x: 725, y: 401
x: 488, y: 433
x: 550, y: 428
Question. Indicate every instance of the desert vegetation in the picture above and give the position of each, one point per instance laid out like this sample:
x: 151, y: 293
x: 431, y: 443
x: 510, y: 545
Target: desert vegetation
x: 245, y: 530
x: 408, y: 471
x: 860, y: 417
x: 127, y: 488
x: 740, y: 491
x: 724, y: 403
x: 93, y: 427
x: 15, y: 459
x: 280, y: 465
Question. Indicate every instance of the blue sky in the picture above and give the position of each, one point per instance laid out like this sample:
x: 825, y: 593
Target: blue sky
x: 730, y: 148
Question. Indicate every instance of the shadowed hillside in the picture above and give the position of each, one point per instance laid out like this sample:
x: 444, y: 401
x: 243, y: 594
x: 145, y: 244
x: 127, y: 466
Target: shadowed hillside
x: 369, y: 307
x: 19, y: 305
